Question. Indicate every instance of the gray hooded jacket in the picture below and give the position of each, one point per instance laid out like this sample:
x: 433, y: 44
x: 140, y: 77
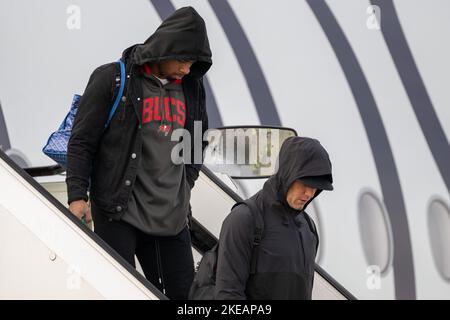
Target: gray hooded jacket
x: 285, y: 265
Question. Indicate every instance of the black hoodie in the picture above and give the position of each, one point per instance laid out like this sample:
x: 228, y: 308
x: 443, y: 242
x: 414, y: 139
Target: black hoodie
x: 285, y: 266
x: 110, y: 158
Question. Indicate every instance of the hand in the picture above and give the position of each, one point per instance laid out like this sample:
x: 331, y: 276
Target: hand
x: 80, y: 209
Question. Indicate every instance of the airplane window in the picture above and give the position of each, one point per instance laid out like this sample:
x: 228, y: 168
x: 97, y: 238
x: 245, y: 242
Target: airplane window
x: 439, y: 230
x: 375, y: 231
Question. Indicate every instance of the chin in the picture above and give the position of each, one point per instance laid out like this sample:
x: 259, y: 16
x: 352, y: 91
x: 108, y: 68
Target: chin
x: 297, y: 207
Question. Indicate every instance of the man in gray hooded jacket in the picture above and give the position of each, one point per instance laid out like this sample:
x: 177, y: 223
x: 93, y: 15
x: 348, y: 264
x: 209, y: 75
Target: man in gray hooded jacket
x: 287, y: 250
x: 139, y: 196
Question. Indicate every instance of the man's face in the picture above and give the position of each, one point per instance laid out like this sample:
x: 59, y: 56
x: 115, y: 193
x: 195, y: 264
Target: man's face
x: 299, y: 194
x: 174, y: 69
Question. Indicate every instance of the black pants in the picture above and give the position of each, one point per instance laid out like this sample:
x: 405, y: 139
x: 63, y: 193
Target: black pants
x: 167, y: 262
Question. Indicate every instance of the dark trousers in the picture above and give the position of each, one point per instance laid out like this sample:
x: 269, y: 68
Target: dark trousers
x: 167, y: 262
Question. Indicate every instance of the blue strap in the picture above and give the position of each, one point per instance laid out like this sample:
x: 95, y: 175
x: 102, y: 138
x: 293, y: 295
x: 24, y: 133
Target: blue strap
x: 119, y: 95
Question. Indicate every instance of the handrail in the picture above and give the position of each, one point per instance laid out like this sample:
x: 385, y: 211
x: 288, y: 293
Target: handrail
x: 202, y: 239
x: 44, y: 171
x: 317, y: 268
x: 94, y: 237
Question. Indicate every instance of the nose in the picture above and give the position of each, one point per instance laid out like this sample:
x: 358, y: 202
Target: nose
x: 309, y: 192
x: 185, y: 68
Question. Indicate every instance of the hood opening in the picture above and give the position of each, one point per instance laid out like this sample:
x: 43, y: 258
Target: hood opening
x: 181, y: 36
x: 299, y: 157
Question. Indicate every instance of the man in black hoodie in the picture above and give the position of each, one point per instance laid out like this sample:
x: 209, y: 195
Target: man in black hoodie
x: 139, y: 196
x: 286, y: 254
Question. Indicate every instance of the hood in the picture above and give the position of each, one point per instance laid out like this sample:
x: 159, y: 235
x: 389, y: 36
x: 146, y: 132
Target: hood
x: 299, y: 157
x: 181, y: 36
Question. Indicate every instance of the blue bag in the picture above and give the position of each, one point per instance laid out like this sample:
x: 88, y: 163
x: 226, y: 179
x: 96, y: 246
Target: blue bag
x: 56, y: 146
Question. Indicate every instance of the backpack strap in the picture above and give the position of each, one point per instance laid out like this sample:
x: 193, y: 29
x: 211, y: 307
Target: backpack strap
x: 120, y: 93
x: 312, y: 227
x: 257, y: 232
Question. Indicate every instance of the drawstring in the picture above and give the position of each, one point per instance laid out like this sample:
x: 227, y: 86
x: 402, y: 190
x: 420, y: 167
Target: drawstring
x: 159, y: 266
x: 163, y: 124
x: 161, y: 105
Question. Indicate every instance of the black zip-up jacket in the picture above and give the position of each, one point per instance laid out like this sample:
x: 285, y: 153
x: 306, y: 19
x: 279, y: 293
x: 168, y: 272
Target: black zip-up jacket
x: 286, y: 254
x: 108, y: 159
